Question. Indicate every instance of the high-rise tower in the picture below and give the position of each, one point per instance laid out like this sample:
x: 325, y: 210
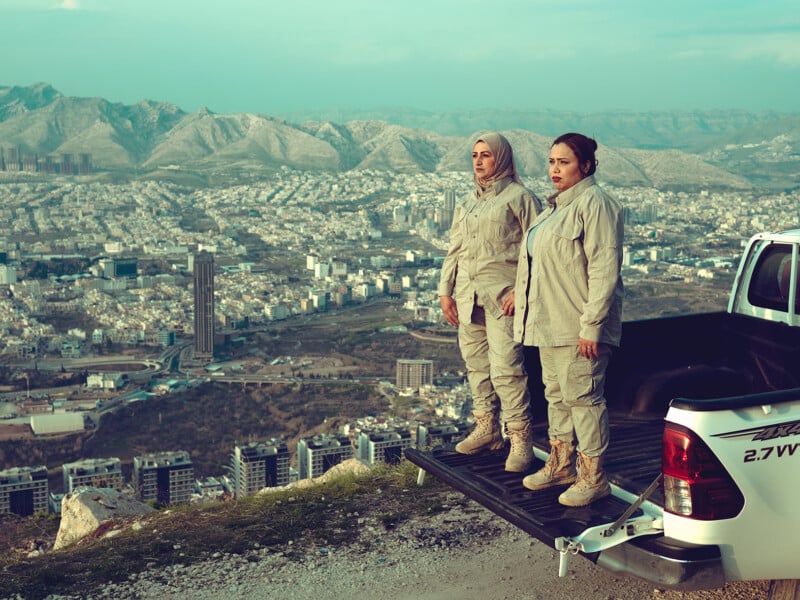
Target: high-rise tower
x: 204, y: 305
x: 414, y: 373
x: 449, y: 204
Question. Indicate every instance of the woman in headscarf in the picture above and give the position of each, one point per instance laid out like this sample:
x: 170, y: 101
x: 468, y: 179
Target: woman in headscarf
x: 476, y: 292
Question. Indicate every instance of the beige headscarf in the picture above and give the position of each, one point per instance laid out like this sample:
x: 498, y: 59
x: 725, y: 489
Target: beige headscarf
x: 503, y: 159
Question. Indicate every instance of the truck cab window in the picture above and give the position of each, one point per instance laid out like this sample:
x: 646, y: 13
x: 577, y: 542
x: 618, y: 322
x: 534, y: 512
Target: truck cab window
x: 771, y: 279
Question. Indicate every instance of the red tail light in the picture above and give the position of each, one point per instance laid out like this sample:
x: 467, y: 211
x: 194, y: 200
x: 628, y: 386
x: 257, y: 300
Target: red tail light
x: 696, y: 485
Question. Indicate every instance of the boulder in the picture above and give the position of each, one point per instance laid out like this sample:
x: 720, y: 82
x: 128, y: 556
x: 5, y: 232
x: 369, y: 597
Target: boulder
x: 87, y: 510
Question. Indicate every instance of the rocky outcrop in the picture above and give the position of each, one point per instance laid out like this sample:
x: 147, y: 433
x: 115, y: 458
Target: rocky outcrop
x: 89, y: 511
x: 351, y: 465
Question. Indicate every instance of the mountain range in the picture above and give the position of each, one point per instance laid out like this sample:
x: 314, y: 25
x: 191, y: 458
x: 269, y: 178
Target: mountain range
x: 676, y: 150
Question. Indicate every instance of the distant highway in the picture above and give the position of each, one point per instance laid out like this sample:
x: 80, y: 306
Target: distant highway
x: 88, y: 361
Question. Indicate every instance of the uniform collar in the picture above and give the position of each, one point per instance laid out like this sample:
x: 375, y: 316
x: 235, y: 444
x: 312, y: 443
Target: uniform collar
x: 566, y: 197
x: 497, y: 186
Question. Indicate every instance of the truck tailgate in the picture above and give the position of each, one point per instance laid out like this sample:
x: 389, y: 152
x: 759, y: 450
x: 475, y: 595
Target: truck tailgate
x: 633, y: 461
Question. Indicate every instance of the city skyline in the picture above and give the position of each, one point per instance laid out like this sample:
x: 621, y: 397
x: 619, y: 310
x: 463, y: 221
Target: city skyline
x: 271, y: 58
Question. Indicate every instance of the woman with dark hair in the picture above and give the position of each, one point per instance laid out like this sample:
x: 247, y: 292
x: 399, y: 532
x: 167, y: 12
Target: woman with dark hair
x: 569, y: 304
x: 476, y: 293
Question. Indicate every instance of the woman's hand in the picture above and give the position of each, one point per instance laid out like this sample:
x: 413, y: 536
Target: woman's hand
x: 587, y: 348
x: 449, y: 310
x: 508, y: 304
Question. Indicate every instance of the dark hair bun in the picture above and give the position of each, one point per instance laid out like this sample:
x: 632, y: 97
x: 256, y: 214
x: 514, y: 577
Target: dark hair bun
x: 584, y: 148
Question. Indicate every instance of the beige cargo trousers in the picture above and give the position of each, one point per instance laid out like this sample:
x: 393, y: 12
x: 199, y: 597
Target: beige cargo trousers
x: 575, y: 392
x: 494, y: 362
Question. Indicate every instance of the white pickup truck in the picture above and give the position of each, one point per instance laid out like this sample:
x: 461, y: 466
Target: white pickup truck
x: 704, y: 457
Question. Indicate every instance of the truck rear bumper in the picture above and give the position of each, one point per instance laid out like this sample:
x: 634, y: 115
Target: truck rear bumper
x: 666, y: 563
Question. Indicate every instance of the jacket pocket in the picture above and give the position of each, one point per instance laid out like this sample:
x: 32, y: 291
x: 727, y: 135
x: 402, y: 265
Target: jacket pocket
x: 568, y: 230
x: 502, y: 228
x: 568, y: 243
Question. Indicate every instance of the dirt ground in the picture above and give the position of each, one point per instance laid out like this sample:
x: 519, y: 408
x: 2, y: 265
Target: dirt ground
x: 463, y: 554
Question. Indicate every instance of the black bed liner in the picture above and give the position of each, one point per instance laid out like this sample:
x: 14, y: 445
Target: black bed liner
x: 633, y: 461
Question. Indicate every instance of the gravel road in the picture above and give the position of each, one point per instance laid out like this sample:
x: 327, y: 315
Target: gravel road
x: 463, y: 554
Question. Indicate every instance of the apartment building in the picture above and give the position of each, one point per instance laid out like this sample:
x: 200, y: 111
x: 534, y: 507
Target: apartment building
x: 93, y: 472
x: 165, y: 477
x: 258, y: 465
x: 383, y: 446
x: 24, y: 490
x: 430, y: 435
x: 317, y: 455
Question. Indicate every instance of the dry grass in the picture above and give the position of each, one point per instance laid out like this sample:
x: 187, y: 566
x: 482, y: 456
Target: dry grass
x: 326, y: 515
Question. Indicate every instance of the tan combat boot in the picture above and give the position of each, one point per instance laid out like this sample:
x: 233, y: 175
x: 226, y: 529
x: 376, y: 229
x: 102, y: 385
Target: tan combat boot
x: 591, y: 484
x: 559, y: 469
x: 520, y: 456
x: 485, y: 436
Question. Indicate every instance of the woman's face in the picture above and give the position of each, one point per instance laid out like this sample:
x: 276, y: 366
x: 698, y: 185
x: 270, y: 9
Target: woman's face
x: 564, y: 168
x: 483, y: 162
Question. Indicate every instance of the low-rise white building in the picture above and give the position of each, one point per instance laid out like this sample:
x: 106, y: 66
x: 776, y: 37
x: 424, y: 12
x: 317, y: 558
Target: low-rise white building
x: 49, y: 424
x: 105, y: 381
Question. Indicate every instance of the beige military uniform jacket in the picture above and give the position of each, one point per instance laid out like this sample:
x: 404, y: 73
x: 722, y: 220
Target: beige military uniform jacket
x: 571, y: 287
x: 485, y: 235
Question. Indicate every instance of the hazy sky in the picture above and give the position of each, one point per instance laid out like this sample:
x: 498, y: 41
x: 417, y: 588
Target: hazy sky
x: 273, y: 56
